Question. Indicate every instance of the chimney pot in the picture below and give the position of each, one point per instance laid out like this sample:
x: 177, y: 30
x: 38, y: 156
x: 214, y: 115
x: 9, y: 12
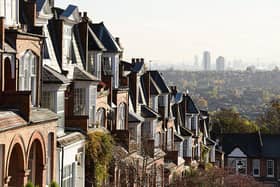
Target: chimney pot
x: 137, y: 60
x: 142, y: 60
x: 133, y: 60
x: 85, y: 14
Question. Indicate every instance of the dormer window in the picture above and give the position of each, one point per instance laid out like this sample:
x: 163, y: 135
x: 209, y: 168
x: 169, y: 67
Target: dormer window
x: 28, y: 74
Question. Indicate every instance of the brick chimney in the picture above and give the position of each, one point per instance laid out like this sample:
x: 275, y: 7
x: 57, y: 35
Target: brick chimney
x: 30, y: 10
x: 2, y: 32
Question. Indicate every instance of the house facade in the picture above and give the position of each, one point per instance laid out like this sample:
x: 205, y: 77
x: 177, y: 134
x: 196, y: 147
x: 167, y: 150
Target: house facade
x: 254, y: 155
x: 28, y: 132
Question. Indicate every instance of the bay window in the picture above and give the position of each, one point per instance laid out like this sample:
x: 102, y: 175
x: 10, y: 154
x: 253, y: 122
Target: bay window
x: 121, y: 116
x: 28, y: 74
x: 48, y: 100
x: 100, y: 117
x: 79, y: 101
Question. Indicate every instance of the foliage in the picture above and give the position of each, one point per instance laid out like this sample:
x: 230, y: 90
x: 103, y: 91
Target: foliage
x: 99, y: 149
x: 230, y: 121
x: 29, y: 184
x: 53, y: 184
x: 213, y: 177
x: 269, y: 122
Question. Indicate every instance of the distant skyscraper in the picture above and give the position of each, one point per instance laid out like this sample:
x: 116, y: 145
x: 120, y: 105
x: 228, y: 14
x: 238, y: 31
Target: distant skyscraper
x: 196, y: 61
x: 220, y: 63
x: 206, y: 62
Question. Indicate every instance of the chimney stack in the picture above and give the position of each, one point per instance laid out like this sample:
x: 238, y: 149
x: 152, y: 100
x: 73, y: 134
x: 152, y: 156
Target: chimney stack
x: 133, y: 60
x: 2, y: 32
x: 142, y: 60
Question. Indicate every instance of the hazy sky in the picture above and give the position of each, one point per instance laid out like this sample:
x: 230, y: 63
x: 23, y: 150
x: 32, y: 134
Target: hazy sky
x: 176, y: 30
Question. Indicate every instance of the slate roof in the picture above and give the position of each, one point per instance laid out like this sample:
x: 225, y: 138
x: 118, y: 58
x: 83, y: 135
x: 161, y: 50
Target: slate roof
x: 134, y: 118
x: 147, y: 112
x: 253, y: 145
x: 94, y: 44
x: 137, y: 66
x: 39, y: 5
x: 157, y: 77
x: 49, y: 75
x: 82, y: 75
x: 105, y: 37
x: 178, y: 97
x: 191, y: 108
x: 69, y: 11
x: 185, y: 132
x: 154, y: 89
x: 178, y: 138
x: 127, y: 66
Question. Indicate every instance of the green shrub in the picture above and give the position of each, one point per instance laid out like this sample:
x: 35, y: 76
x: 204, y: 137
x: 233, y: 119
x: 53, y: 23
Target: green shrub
x: 29, y: 184
x: 53, y: 184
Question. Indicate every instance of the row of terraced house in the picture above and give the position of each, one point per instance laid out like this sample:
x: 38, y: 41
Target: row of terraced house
x: 63, y: 77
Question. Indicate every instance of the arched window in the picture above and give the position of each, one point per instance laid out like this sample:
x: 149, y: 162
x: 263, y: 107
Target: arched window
x: 28, y: 74
x: 100, y: 117
x: 121, y: 116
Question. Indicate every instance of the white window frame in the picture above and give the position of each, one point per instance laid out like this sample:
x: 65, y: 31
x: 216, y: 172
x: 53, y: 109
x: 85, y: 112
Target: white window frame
x: 121, y: 116
x: 28, y: 74
x: 80, y: 101
x: 48, y: 100
x: 67, y: 176
x: 267, y: 167
x: 256, y: 166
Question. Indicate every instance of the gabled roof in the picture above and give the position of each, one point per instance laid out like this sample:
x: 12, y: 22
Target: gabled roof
x: 154, y: 89
x: 71, y: 13
x: 147, y: 112
x: 49, y: 75
x: 159, y: 80
x: 94, y: 44
x: 82, y: 75
x: 248, y: 143
x: 43, y: 6
x: 191, y: 108
x: 105, y: 37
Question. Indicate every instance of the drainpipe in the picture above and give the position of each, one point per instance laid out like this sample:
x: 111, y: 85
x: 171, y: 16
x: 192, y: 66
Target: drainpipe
x: 62, y: 163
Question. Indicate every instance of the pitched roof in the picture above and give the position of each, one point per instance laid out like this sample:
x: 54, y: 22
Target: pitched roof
x: 105, y: 37
x: 70, y: 138
x: 94, y: 44
x: 178, y: 97
x: 82, y: 75
x: 137, y: 66
x: 159, y: 80
x: 178, y: 138
x: 185, y: 132
x: 134, y: 118
x: 253, y: 145
x: 147, y: 112
x: 69, y: 11
x: 49, y: 75
x: 191, y: 108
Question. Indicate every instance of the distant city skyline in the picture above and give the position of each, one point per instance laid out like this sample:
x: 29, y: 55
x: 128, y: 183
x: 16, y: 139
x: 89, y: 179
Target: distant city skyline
x: 175, y: 31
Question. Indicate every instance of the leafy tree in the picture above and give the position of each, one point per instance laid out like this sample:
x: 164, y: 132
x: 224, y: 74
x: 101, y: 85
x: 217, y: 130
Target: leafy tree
x: 269, y: 122
x: 230, y: 121
x: 99, y: 149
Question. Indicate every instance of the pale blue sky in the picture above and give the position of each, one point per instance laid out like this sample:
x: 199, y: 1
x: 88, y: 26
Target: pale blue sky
x: 176, y: 30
